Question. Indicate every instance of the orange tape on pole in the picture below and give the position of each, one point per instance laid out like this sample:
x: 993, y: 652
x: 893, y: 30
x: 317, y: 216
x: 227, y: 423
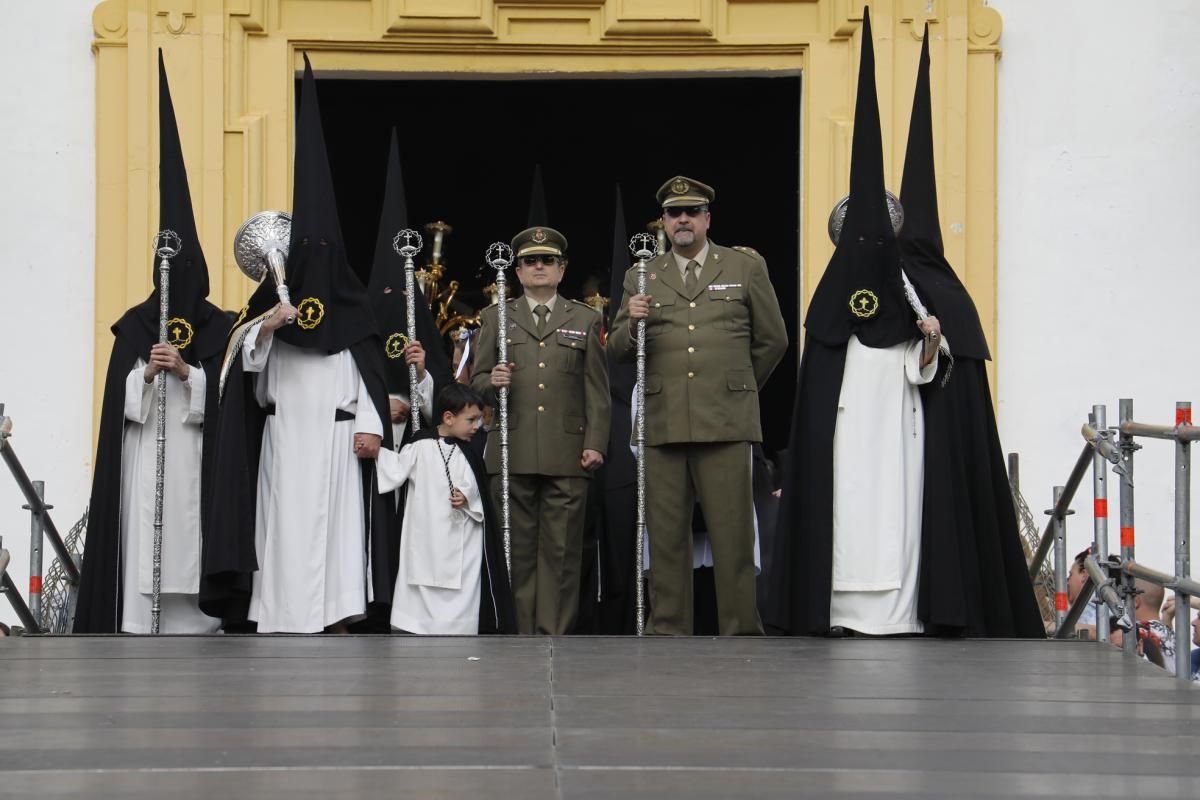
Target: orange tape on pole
x: 1060, y: 602
x: 1126, y: 537
x: 1100, y: 508
x: 35, y: 584
x: 1183, y: 416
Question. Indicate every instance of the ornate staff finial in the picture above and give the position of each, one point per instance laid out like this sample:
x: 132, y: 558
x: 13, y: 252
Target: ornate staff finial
x: 499, y: 256
x: 167, y: 243
x: 643, y: 246
x: 407, y: 243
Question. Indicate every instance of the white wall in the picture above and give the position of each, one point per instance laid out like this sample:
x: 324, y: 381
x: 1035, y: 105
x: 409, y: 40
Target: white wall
x: 1098, y: 222
x: 47, y: 231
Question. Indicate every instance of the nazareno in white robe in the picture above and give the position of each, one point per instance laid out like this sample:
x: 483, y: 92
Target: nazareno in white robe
x: 438, y: 584
x: 878, y: 480
x: 310, y: 523
x: 180, y: 612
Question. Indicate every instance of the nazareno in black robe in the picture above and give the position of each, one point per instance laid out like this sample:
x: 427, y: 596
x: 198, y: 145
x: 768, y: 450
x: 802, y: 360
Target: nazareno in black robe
x: 974, y: 579
x: 497, y: 612
x: 866, y: 259
x: 316, y: 267
x: 98, y: 608
x: 389, y: 301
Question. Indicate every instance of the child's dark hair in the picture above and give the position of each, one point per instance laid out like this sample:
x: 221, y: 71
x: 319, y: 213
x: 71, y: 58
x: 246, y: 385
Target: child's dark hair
x: 454, y: 397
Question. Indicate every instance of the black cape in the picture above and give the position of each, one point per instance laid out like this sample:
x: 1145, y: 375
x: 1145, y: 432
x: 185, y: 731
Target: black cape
x: 317, y: 269
x: 617, y: 479
x: 497, y: 613
x: 974, y: 579
x: 389, y: 300
x: 98, y: 608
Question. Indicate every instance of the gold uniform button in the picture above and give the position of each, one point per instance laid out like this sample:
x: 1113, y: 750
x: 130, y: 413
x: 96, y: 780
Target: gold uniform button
x: 692, y: 305
x: 541, y: 365
x: 541, y: 344
x: 691, y: 327
x: 541, y: 408
x: 691, y: 374
x: 691, y: 349
x: 541, y: 386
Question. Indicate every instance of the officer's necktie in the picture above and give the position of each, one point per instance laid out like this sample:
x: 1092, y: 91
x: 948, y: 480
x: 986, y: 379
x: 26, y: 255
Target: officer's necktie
x: 541, y: 311
x: 690, y: 279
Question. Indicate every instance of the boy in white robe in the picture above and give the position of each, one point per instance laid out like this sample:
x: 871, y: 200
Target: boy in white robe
x: 452, y: 577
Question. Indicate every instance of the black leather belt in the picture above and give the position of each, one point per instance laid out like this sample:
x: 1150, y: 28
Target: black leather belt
x: 339, y: 415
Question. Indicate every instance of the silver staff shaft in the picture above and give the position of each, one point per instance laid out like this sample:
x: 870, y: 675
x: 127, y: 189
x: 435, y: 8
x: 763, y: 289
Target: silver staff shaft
x: 160, y: 458
x: 499, y: 257
x: 502, y: 358
x: 640, y: 440
x: 410, y: 307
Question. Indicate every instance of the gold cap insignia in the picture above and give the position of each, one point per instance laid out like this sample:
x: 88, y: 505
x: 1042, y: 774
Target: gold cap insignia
x: 539, y: 236
x: 680, y: 186
x: 864, y: 304
x: 310, y: 313
x: 394, y: 346
x: 179, y: 333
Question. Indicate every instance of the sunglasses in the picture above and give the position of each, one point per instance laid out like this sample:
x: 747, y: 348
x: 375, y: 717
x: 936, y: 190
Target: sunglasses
x: 674, y: 212
x: 549, y: 261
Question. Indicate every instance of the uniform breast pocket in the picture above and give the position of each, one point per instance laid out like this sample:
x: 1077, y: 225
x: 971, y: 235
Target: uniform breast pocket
x: 571, y: 347
x: 662, y: 312
x: 730, y: 305
x: 518, y: 349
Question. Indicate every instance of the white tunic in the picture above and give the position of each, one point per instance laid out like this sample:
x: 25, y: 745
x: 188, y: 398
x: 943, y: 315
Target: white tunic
x: 309, y: 532
x: 878, y: 479
x: 441, y: 547
x: 181, y: 504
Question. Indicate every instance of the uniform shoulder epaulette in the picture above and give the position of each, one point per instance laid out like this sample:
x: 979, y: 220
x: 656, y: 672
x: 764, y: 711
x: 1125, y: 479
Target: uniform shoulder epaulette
x: 585, y: 305
x: 750, y: 251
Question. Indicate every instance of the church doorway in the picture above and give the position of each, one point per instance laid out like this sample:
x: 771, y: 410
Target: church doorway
x: 469, y: 149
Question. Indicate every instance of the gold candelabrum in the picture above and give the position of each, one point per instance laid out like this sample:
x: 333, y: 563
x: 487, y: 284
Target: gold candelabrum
x: 597, y: 301
x: 659, y: 231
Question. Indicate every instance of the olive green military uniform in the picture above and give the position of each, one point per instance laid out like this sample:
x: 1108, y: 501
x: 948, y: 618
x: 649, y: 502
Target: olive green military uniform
x: 708, y: 352
x: 558, y: 406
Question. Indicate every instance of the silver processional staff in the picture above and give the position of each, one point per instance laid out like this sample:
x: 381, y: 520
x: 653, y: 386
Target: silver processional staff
x: 500, y: 257
x: 260, y: 247
x: 407, y: 243
x: 167, y: 245
x: 644, y: 247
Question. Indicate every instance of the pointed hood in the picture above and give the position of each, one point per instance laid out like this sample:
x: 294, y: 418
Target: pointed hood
x: 196, y: 326
x: 386, y: 290
x: 861, y: 292
x: 334, y: 311
x: 923, y: 256
x: 537, y: 201
x: 621, y: 376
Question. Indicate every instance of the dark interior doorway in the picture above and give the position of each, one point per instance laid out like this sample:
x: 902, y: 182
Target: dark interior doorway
x: 469, y: 148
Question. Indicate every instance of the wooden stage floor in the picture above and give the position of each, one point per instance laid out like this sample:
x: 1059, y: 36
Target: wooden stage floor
x: 526, y: 718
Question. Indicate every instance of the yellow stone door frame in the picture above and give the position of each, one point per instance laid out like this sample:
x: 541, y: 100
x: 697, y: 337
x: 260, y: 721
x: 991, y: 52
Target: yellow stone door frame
x: 232, y: 64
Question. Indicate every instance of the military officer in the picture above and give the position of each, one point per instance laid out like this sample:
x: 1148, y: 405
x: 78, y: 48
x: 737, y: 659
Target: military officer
x: 714, y: 334
x: 558, y: 417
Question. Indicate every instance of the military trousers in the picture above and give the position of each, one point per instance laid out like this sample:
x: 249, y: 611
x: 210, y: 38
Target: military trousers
x: 547, y: 517
x: 718, y: 475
